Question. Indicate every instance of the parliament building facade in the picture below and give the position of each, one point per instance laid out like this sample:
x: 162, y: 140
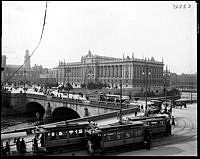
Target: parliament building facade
x: 133, y: 73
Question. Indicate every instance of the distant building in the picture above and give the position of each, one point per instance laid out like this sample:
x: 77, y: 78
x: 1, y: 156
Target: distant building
x: 27, y: 61
x: 110, y: 70
x: 26, y: 74
x: 184, y: 81
x: 48, y: 76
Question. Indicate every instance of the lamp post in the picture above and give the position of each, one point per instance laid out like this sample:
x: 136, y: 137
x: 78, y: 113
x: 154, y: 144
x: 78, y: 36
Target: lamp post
x: 120, y: 113
x: 146, y: 74
x: 165, y: 75
x: 191, y: 83
x: 24, y: 80
x: 68, y: 72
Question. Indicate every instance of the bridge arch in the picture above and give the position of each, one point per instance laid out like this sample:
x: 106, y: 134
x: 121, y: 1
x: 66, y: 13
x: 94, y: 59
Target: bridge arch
x: 32, y: 108
x: 64, y: 113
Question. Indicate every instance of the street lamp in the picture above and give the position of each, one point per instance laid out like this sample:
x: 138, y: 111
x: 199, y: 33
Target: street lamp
x: 165, y: 75
x: 24, y: 80
x: 120, y: 113
x: 146, y: 74
x: 191, y: 83
x: 68, y: 72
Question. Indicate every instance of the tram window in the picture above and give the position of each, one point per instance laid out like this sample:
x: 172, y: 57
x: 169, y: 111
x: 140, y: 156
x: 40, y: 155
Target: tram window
x: 60, y: 133
x: 73, y: 134
x: 120, y: 135
x: 70, y: 132
x: 139, y: 132
x: 135, y: 133
x: 104, y: 137
x: 110, y: 136
x: 80, y: 132
x: 154, y: 123
x: 64, y: 133
x: 162, y: 122
x: 127, y: 134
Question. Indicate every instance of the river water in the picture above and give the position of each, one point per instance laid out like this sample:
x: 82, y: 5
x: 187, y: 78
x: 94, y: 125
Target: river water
x: 15, y: 122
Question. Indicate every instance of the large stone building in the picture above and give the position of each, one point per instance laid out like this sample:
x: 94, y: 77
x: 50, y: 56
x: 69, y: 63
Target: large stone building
x: 132, y: 72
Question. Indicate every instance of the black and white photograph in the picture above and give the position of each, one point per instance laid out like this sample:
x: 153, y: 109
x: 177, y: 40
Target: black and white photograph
x: 99, y: 78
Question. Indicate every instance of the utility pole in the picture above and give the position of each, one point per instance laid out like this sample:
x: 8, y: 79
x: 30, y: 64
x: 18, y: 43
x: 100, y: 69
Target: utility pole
x: 120, y: 113
x: 191, y: 87
x: 146, y: 74
x: 24, y: 80
x: 68, y: 71
x: 146, y: 89
x: 166, y: 74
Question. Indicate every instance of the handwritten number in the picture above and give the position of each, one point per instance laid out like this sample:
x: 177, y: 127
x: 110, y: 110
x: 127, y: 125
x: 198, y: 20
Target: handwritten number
x: 181, y: 6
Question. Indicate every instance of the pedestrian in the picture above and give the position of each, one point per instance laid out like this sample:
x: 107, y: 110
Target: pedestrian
x: 2, y: 149
x: 22, y: 146
x: 42, y: 140
x: 35, y: 143
x: 18, y: 144
x: 168, y: 127
x: 173, y: 121
x: 185, y: 105
x: 135, y: 113
x: 147, y: 139
x: 7, y: 148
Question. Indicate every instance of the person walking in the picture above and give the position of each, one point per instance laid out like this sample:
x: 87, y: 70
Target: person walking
x: 135, y: 113
x: 173, y: 121
x: 7, y: 148
x: 35, y: 143
x: 22, y: 146
x: 42, y: 140
x: 18, y: 144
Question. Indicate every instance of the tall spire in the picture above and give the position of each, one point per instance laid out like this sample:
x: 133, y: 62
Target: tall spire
x: 132, y: 55
x: 89, y: 53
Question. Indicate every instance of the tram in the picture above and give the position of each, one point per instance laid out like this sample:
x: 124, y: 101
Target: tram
x: 112, y: 98
x: 159, y: 124
x: 69, y: 136
x: 110, y: 136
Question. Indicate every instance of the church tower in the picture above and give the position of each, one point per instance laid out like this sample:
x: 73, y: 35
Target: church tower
x: 27, y: 60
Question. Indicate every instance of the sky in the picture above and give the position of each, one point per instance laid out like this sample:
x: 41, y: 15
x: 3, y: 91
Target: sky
x: 160, y: 29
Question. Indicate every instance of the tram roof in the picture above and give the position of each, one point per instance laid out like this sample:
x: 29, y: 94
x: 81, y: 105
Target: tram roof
x: 182, y: 100
x: 124, y: 124
x: 66, y: 125
x: 10, y: 136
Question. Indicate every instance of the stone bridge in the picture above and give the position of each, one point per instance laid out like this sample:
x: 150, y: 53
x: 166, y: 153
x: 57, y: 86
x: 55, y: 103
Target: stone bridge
x: 60, y: 107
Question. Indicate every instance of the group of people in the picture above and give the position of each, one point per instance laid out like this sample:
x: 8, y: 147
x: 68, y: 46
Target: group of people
x: 20, y: 145
x: 35, y: 142
x: 5, y: 150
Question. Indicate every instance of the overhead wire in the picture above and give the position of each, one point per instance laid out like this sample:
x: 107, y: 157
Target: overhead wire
x: 35, y: 47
